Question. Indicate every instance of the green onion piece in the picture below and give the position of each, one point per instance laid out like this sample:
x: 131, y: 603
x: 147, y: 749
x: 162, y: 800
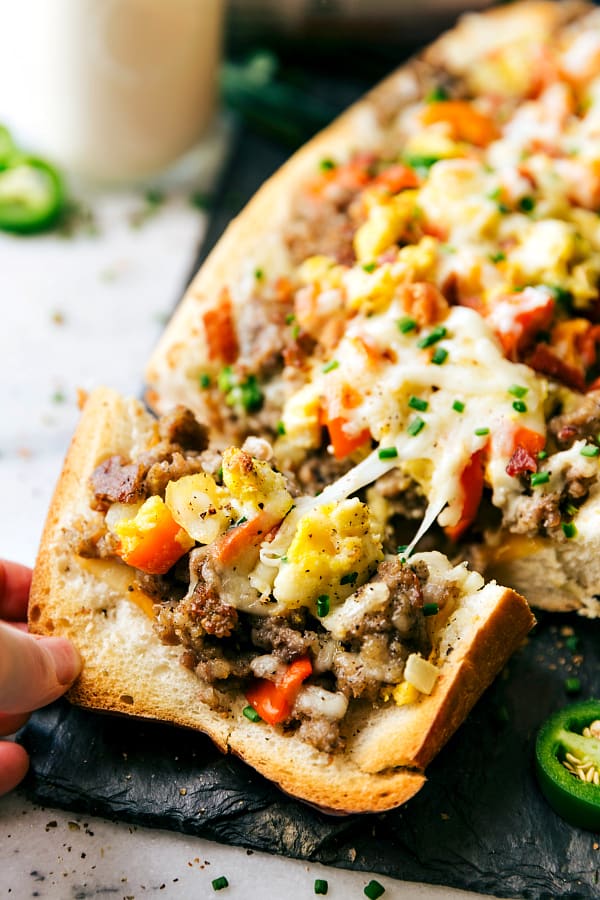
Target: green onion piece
x: 322, y: 605
x: 437, y: 94
x: 350, y: 578
x: 241, y: 520
x: 517, y: 390
x: 370, y: 267
x: 417, y: 403
x: 321, y: 886
x: 569, y: 529
x: 458, y: 406
x: 563, y: 297
x: 374, y: 890
x: 402, y: 548
x: 219, y: 883
x: 290, y: 318
x: 251, y: 396
x: 526, y: 204
x: 439, y: 357
x: 251, y: 714
x: 406, y: 324
x: 436, y: 334
x: 330, y: 366
x: 519, y: 406
x: 416, y: 426
x: 280, y: 428
x: 590, y: 450
x: 204, y: 381
x: 543, y: 454
x: 420, y: 162
x: 480, y: 432
x: 283, y: 559
x: 226, y: 379
x: 387, y: 453
x: 259, y: 274
x: 326, y: 165
x: 430, y: 609
x: 572, y: 643
x: 497, y: 257
x: 572, y: 685
x: 540, y: 478
x: 295, y: 332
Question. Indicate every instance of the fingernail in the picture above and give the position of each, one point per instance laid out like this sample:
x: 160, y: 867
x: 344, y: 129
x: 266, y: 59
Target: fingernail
x: 66, y: 659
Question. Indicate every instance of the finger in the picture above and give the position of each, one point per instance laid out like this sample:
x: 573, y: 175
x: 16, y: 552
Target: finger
x: 15, y: 581
x: 14, y: 763
x: 11, y: 722
x: 34, y: 672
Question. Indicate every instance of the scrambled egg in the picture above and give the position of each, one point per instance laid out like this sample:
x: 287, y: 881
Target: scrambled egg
x: 255, y: 485
x: 334, y: 550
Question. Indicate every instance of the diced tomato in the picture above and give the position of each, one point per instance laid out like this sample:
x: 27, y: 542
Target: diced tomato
x: 397, y: 178
x: 273, y: 700
x: 518, y: 318
x: 220, y: 331
x: 152, y: 541
x: 352, y: 175
x: 344, y: 444
x: 241, y: 538
x: 466, y: 123
x: 471, y: 483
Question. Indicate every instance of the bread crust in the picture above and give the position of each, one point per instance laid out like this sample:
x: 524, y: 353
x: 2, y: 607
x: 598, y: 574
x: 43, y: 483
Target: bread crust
x: 128, y: 670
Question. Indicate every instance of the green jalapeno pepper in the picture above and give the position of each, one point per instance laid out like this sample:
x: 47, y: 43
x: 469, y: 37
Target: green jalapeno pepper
x: 31, y: 193
x: 566, y: 752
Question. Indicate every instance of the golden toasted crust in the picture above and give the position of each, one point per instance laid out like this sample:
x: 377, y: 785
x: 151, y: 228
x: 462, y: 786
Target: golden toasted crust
x: 128, y: 670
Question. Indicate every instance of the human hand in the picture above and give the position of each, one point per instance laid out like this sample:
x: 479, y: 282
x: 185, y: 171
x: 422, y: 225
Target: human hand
x: 33, y: 670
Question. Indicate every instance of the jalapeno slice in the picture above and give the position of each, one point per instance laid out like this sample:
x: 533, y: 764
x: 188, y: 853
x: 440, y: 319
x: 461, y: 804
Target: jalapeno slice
x: 31, y: 194
x: 568, y: 732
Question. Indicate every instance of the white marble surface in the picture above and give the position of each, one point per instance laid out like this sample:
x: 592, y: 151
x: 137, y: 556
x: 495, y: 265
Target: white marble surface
x: 76, y: 313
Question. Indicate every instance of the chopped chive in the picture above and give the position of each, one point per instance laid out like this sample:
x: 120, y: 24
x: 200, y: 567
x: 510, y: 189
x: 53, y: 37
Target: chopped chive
x: 226, y: 379
x: 571, y: 510
x: 417, y: 403
x: 519, y: 406
x: 259, y: 274
x: 370, y: 267
x: 430, y: 609
x: 458, y: 406
x: 241, y: 520
x: 526, y: 204
x: 420, y: 162
x: 517, y: 390
x: 387, y: 453
x: 402, y: 548
x: 283, y: 559
x: 590, y: 450
x: 219, y: 883
x: 322, y: 605
x: 280, y: 428
x: 563, y: 297
x: 321, y: 886
x: 540, y: 478
x: 416, y: 426
x: 480, y: 432
x: 439, y: 357
x: 295, y: 332
x: 436, y: 334
x: 330, y: 366
x: 497, y: 257
x: 290, y: 318
x: 374, y: 890
x: 572, y: 685
x: 569, y: 529
x: 251, y: 714
x: 437, y: 94
x: 204, y: 381
x: 350, y: 578
x: 572, y: 643
x: 326, y: 165
x: 543, y: 454
x: 406, y: 324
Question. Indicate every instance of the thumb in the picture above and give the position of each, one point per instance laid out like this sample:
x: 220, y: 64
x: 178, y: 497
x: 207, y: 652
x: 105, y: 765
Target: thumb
x: 34, y: 671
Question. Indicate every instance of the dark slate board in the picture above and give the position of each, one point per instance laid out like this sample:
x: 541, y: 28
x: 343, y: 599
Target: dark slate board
x: 479, y: 824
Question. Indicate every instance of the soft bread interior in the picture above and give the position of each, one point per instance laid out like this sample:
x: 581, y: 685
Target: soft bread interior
x: 128, y: 670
